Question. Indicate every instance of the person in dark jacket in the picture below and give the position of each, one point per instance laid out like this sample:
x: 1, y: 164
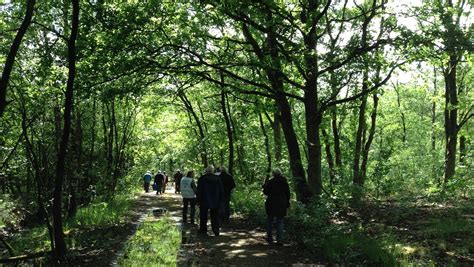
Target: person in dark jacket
x: 228, y: 183
x: 277, y: 203
x: 209, y: 196
x: 159, y: 179
x: 177, y: 181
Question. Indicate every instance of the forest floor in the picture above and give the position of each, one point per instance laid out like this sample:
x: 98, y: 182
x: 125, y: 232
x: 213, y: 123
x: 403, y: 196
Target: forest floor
x: 240, y: 243
x: 426, y: 233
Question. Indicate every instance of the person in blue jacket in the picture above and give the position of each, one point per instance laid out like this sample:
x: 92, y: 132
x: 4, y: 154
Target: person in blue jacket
x: 146, y: 181
x: 210, y: 197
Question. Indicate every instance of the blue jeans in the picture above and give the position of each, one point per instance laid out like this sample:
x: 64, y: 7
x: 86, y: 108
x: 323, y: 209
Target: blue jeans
x: 279, y: 228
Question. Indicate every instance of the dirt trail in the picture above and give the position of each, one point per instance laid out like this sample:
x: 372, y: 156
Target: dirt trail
x: 240, y: 243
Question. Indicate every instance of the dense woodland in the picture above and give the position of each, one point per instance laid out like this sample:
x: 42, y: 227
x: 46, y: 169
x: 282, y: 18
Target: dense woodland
x: 361, y: 102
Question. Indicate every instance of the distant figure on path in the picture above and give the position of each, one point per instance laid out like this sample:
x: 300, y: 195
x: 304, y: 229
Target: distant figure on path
x: 177, y: 181
x: 146, y: 181
x: 165, y: 181
x: 209, y: 196
x: 277, y: 203
x: 188, y: 192
x: 159, y: 180
x: 228, y: 183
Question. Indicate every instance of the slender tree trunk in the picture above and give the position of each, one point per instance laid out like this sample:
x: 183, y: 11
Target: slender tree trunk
x: 402, y: 116
x: 229, y: 131
x: 330, y: 160
x: 203, y: 146
x: 8, y: 66
x: 277, y: 134
x: 267, y: 145
x: 90, y: 169
x: 337, y: 138
x: 462, y: 149
x: 433, y: 113
x: 60, y: 244
x: 365, y: 156
x: 357, y: 178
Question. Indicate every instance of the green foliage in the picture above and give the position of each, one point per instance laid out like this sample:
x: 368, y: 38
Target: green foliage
x: 156, y: 242
x: 103, y: 213
x: 8, y: 217
x: 246, y: 201
x: 319, y: 230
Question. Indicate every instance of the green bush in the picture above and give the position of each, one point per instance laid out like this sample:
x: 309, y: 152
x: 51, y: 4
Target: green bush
x: 103, y: 213
x: 249, y: 202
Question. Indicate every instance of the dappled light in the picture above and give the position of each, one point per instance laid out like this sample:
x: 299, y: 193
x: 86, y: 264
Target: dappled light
x: 236, y: 133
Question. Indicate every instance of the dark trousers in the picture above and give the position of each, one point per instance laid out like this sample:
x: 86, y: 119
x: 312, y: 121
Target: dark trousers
x: 226, y: 213
x: 203, y: 219
x: 146, y: 186
x: 279, y: 227
x: 191, y: 202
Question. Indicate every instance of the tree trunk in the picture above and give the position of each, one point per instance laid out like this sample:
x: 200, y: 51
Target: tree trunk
x: 451, y: 116
x: 202, y: 143
x: 337, y: 138
x: 267, y: 145
x: 313, y: 123
x: 296, y: 166
x: 367, y: 145
x: 433, y: 114
x: 462, y: 149
x: 60, y: 244
x: 402, y: 116
x: 357, y: 178
x: 8, y: 66
x: 277, y: 134
x: 229, y: 132
x: 330, y: 160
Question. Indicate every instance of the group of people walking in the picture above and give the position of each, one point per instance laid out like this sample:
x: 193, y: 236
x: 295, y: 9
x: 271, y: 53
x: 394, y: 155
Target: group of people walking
x: 212, y: 193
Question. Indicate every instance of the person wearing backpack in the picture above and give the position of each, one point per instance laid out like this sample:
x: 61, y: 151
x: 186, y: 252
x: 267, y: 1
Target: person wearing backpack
x: 188, y: 192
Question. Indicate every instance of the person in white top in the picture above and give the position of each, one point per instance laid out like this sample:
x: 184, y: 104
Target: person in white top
x: 188, y: 192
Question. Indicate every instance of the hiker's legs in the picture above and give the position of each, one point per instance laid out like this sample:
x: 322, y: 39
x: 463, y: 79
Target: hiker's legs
x: 226, y: 208
x: 279, y: 228
x: 203, y: 219
x: 269, y: 227
x: 192, y: 202
x: 185, y: 209
x: 215, y: 221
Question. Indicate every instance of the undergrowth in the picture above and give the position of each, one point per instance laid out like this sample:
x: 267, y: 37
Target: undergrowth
x: 326, y: 231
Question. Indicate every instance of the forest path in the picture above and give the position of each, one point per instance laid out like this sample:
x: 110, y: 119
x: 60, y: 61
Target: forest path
x: 240, y: 243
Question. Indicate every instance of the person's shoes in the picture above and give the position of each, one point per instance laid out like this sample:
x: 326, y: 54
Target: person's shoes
x: 279, y: 243
x: 269, y: 240
x: 216, y: 233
